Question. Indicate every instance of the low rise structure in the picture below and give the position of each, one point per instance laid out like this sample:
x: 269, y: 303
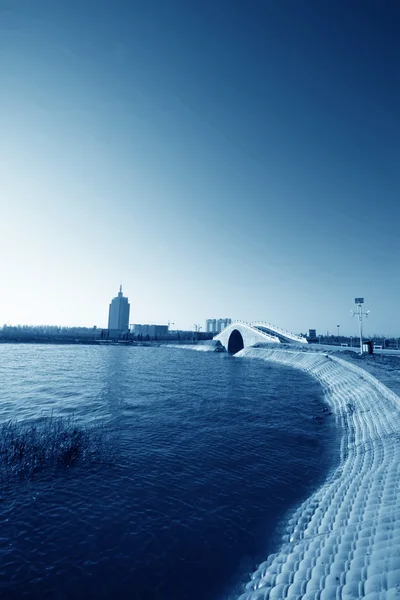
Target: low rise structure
x: 151, y: 331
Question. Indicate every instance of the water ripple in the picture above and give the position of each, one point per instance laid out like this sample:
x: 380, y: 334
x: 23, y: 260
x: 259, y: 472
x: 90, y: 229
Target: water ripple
x: 212, y: 452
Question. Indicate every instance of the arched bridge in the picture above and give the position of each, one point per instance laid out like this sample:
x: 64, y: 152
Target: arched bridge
x: 240, y: 335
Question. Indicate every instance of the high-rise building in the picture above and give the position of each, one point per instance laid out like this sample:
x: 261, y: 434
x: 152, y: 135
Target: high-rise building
x: 217, y: 325
x: 118, y: 315
x: 222, y: 323
x: 211, y: 325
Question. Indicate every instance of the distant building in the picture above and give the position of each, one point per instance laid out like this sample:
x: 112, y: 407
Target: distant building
x: 118, y: 315
x: 312, y: 334
x: 217, y: 325
x: 211, y: 325
x: 150, y: 330
x: 222, y: 324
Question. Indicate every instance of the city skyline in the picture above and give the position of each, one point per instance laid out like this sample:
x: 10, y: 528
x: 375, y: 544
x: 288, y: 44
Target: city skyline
x: 216, y: 158
x: 116, y: 315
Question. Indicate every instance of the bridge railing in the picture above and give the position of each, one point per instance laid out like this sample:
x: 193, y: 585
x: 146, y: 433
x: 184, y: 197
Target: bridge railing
x: 250, y: 326
x: 283, y: 332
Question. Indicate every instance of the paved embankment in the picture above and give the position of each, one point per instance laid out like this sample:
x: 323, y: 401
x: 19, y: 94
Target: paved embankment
x: 344, y: 541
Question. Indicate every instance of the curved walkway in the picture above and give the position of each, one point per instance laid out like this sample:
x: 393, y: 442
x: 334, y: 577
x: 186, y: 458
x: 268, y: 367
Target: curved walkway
x: 343, y: 543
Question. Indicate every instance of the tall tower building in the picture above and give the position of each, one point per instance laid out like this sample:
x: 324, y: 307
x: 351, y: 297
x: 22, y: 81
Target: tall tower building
x: 211, y: 325
x: 217, y: 325
x: 118, y: 315
x: 222, y: 323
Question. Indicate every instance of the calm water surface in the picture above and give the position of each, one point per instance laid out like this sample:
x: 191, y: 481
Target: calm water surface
x: 212, y: 451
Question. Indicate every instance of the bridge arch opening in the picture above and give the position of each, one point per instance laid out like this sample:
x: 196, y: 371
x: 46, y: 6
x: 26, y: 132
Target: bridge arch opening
x: 235, y: 342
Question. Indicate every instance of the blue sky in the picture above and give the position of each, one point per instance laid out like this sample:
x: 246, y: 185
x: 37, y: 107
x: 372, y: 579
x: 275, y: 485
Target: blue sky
x: 218, y: 158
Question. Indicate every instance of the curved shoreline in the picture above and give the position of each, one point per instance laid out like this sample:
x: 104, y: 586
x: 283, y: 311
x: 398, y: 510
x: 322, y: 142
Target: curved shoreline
x: 343, y: 542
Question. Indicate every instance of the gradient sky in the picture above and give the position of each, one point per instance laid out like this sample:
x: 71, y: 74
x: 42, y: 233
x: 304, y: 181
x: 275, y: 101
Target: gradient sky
x: 219, y: 158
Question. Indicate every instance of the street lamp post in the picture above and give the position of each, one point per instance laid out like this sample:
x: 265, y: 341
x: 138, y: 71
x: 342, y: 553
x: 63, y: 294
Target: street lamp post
x: 338, y: 326
x: 360, y: 314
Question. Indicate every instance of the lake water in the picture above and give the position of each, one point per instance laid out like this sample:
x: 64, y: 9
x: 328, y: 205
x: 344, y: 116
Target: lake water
x: 212, y: 451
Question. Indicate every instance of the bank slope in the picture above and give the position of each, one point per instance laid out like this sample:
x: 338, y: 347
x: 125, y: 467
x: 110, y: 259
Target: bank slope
x: 344, y: 541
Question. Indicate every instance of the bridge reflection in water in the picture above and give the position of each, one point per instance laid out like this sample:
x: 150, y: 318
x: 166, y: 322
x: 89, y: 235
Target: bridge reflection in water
x: 241, y: 335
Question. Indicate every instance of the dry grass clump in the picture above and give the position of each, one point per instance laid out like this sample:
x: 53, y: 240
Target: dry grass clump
x: 28, y: 448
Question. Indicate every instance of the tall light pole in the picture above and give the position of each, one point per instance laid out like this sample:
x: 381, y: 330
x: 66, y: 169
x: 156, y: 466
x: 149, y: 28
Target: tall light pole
x: 360, y: 314
x: 338, y: 326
